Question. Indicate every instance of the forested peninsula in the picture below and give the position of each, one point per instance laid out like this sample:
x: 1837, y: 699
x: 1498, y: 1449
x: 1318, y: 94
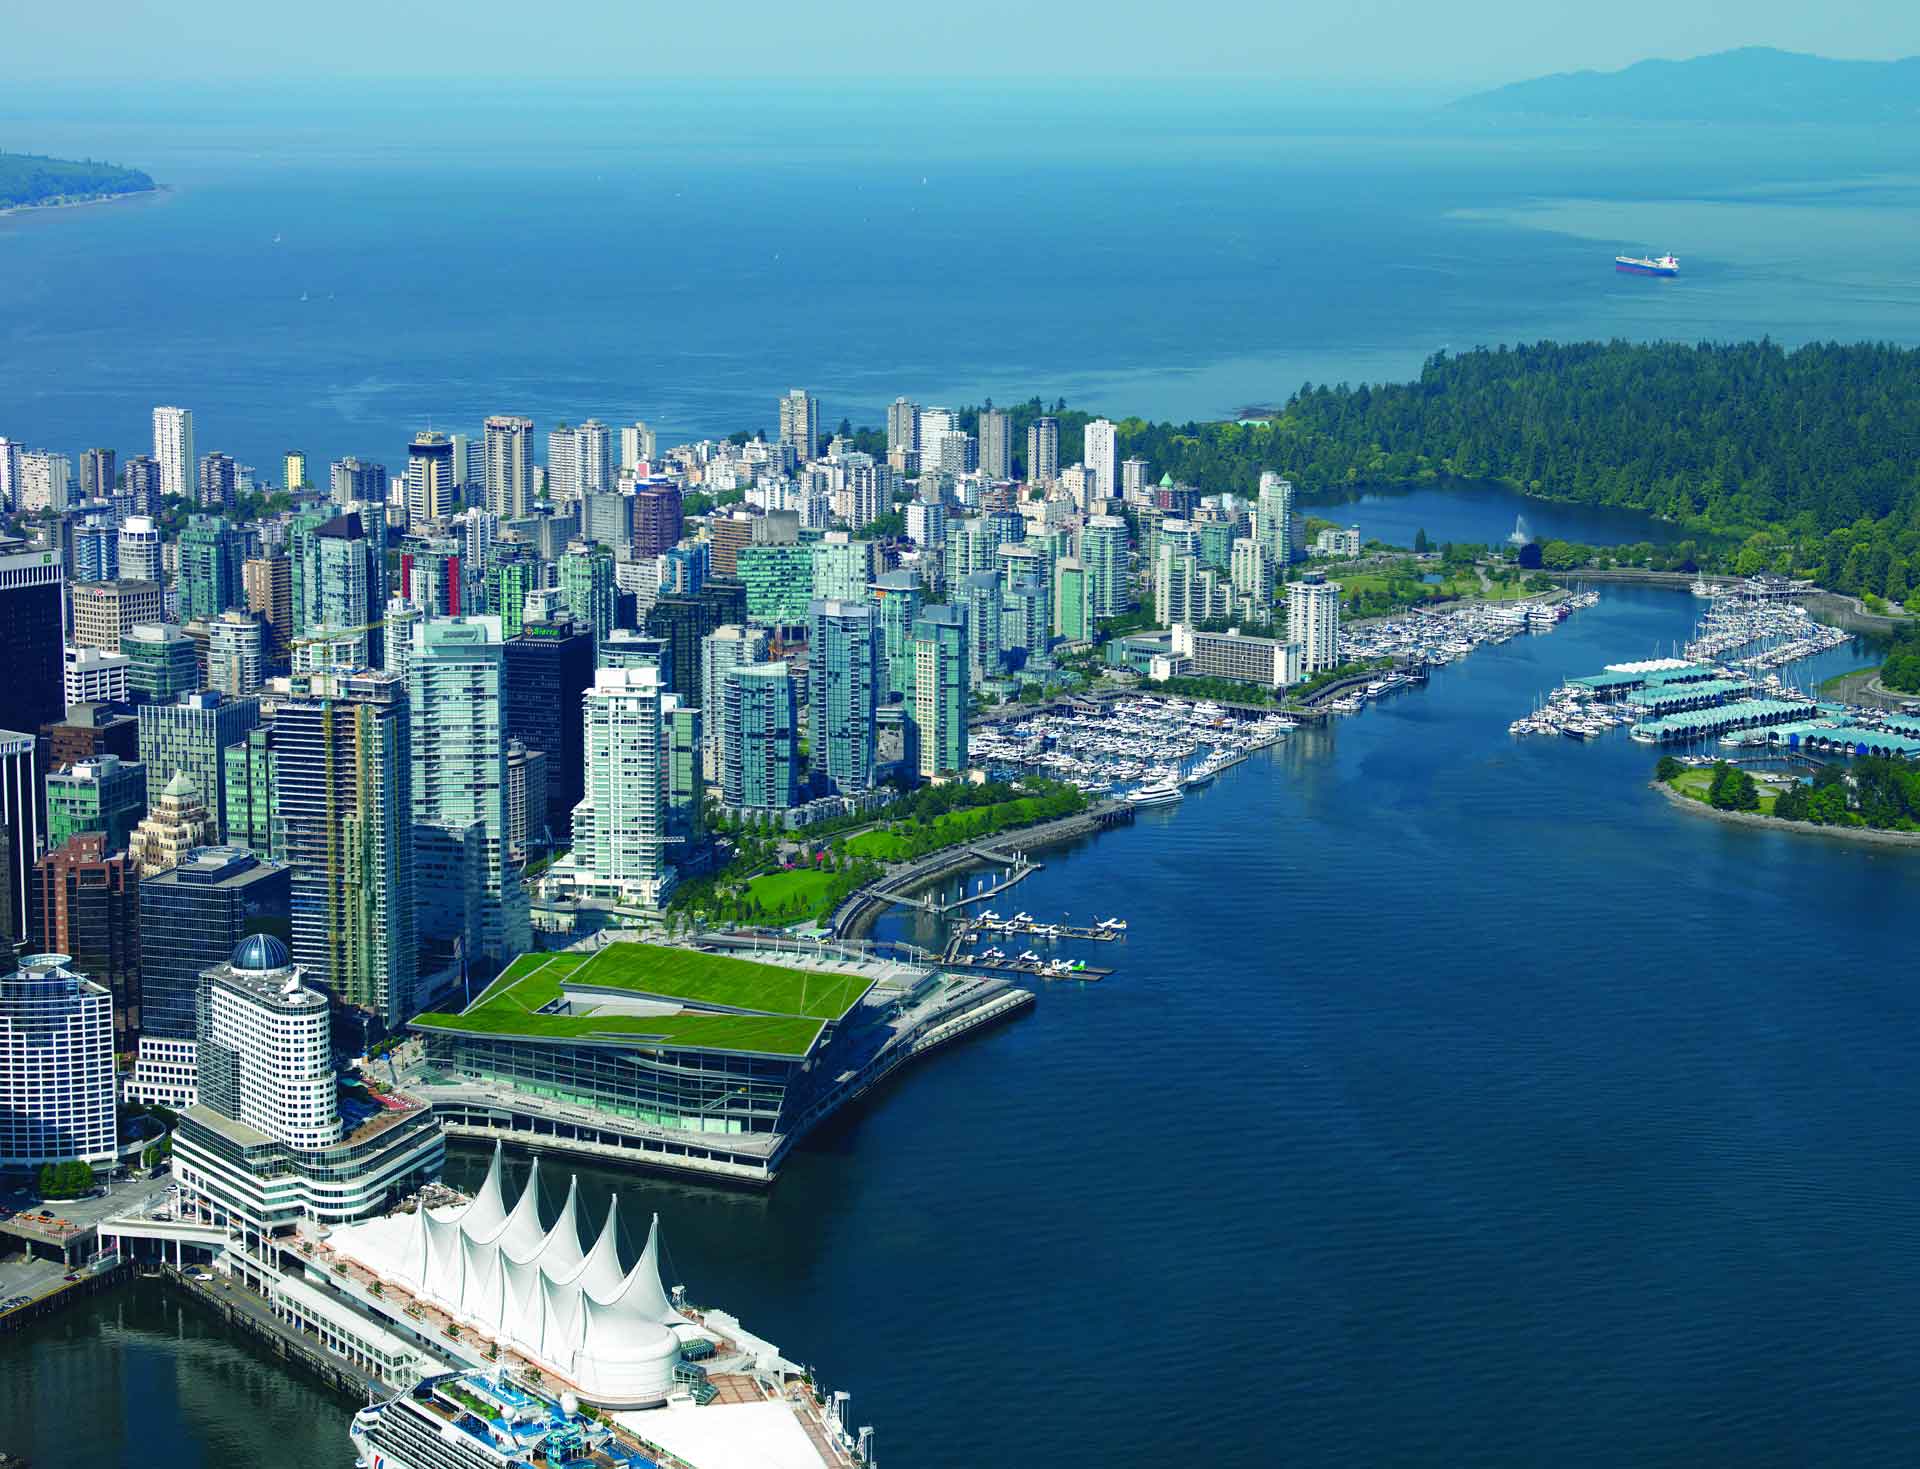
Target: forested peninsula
x: 1804, y: 462
x: 29, y: 180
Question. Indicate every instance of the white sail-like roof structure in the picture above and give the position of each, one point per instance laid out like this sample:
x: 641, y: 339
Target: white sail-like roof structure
x: 536, y: 1291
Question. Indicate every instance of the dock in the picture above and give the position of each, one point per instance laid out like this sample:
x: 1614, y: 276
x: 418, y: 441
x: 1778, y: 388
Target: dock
x: 1026, y: 966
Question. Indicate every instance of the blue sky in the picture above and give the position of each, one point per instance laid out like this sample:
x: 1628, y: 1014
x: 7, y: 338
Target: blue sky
x: 1316, y: 46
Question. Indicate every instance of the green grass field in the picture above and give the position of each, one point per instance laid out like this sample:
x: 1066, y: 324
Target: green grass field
x: 787, y: 895
x: 797, y: 1002
x: 947, y: 830
x: 1694, y: 784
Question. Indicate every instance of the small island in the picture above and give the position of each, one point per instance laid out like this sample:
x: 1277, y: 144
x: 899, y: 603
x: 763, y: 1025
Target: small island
x: 32, y: 181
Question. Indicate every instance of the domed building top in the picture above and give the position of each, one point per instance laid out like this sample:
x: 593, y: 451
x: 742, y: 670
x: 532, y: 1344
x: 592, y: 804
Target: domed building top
x: 260, y: 953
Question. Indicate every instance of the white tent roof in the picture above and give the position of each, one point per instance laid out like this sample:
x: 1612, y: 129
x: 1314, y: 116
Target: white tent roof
x: 535, y: 1290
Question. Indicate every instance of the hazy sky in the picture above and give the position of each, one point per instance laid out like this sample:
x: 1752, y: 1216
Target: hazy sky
x: 1320, y: 44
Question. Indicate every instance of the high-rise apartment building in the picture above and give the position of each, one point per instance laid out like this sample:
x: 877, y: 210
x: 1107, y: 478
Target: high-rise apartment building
x: 456, y: 686
x: 979, y: 595
x: 57, y: 1091
x: 216, y: 482
x: 942, y: 689
x: 344, y: 765
x: 586, y: 587
x: 46, y: 481
x: 9, y: 475
x: 339, y: 578
x: 253, y: 803
x: 896, y: 599
x: 236, y: 652
x: 800, y: 423
x: 843, y: 673
x: 509, y: 465
x: 32, y: 604
x: 1043, y: 451
x: 1103, y: 550
x: 760, y: 738
x: 212, y: 555
x: 636, y: 446
x: 140, y: 486
x: 190, y: 736
x: 996, y: 444
x: 140, y: 552
x: 1250, y: 565
x: 84, y: 902
x: 98, y: 479
x: 293, y: 470
x: 267, y: 583
x: 1281, y: 528
x: 1313, y: 621
x: 527, y: 827
x: 355, y: 481
x: 1101, y: 455
x: 658, y: 520
x: 721, y: 651
x: 431, y: 492
x: 621, y: 828
x: 1072, y: 601
x: 173, y: 451
x: 903, y: 425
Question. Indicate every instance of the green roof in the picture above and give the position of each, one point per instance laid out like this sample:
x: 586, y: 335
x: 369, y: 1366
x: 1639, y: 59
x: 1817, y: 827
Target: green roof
x: 730, y: 1004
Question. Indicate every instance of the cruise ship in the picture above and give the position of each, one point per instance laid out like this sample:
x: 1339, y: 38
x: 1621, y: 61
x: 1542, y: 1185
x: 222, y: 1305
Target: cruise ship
x: 1666, y: 265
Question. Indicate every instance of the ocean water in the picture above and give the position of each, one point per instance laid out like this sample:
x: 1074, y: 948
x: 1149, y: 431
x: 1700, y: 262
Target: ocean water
x: 1455, y: 1101
x: 333, y: 268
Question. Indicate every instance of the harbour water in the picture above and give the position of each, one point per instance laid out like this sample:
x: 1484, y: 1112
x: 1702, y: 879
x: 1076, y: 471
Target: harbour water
x: 1455, y: 1101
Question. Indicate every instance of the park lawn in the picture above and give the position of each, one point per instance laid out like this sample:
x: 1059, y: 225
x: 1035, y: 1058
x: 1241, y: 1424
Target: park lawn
x: 1694, y: 785
x: 947, y: 830
x: 798, y: 893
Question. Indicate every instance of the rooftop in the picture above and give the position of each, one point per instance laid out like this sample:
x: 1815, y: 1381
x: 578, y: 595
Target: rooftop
x: 707, y: 1001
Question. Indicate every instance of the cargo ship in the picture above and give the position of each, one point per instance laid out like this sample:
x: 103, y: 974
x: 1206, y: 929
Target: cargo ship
x: 1666, y: 265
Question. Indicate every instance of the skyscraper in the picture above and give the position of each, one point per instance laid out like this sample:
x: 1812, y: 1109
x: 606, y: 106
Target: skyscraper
x: 267, y: 582
x: 1072, y: 604
x: 1281, y: 527
x: 1313, y: 621
x: 896, y: 597
x: 161, y: 665
x: 996, y: 444
x: 212, y: 554
x: 760, y: 743
x: 430, y: 488
x: 140, y: 554
x: 293, y: 469
x: 636, y: 445
x: 191, y: 917
x: 586, y: 587
x: 621, y: 826
x: 19, y: 831
x: 173, y: 450
x: 979, y: 596
x: 1043, y: 451
x: 549, y: 668
x: 1251, y: 567
x: 343, y: 762
x: 658, y: 521
x: 253, y: 804
x: 140, y: 485
x: 84, y: 902
x: 339, y: 585
x: 942, y: 690
x: 31, y: 606
x: 1103, y: 549
x: 721, y: 651
x: 216, y: 482
x: 843, y: 684
x: 1102, y: 457
x: 903, y: 425
x: 191, y: 736
x: 56, y: 1066
x: 97, y: 475
x: 800, y: 423
x: 509, y: 455
x: 460, y: 767
x: 236, y: 652
x: 593, y: 455
x: 104, y: 612
x: 357, y: 482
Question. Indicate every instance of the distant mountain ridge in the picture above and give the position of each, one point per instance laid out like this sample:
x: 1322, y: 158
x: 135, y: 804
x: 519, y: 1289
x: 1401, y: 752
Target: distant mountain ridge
x: 1753, y: 84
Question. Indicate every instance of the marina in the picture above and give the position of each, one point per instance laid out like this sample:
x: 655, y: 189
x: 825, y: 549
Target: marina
x: 1143, y: 748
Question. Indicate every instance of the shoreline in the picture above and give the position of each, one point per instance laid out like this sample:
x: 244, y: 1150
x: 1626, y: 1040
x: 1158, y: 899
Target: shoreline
x: 1871, y: 835
x: 63, y: 202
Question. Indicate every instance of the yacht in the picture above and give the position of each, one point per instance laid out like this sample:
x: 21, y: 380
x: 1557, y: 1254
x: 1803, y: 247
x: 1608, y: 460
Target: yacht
x: 1158, y: 794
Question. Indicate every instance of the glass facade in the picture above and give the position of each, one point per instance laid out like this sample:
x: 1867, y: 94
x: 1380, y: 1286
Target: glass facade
x: 779, y: 583
x: 843, y: 678
x: 192, y: 918
x: 760, y: 751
